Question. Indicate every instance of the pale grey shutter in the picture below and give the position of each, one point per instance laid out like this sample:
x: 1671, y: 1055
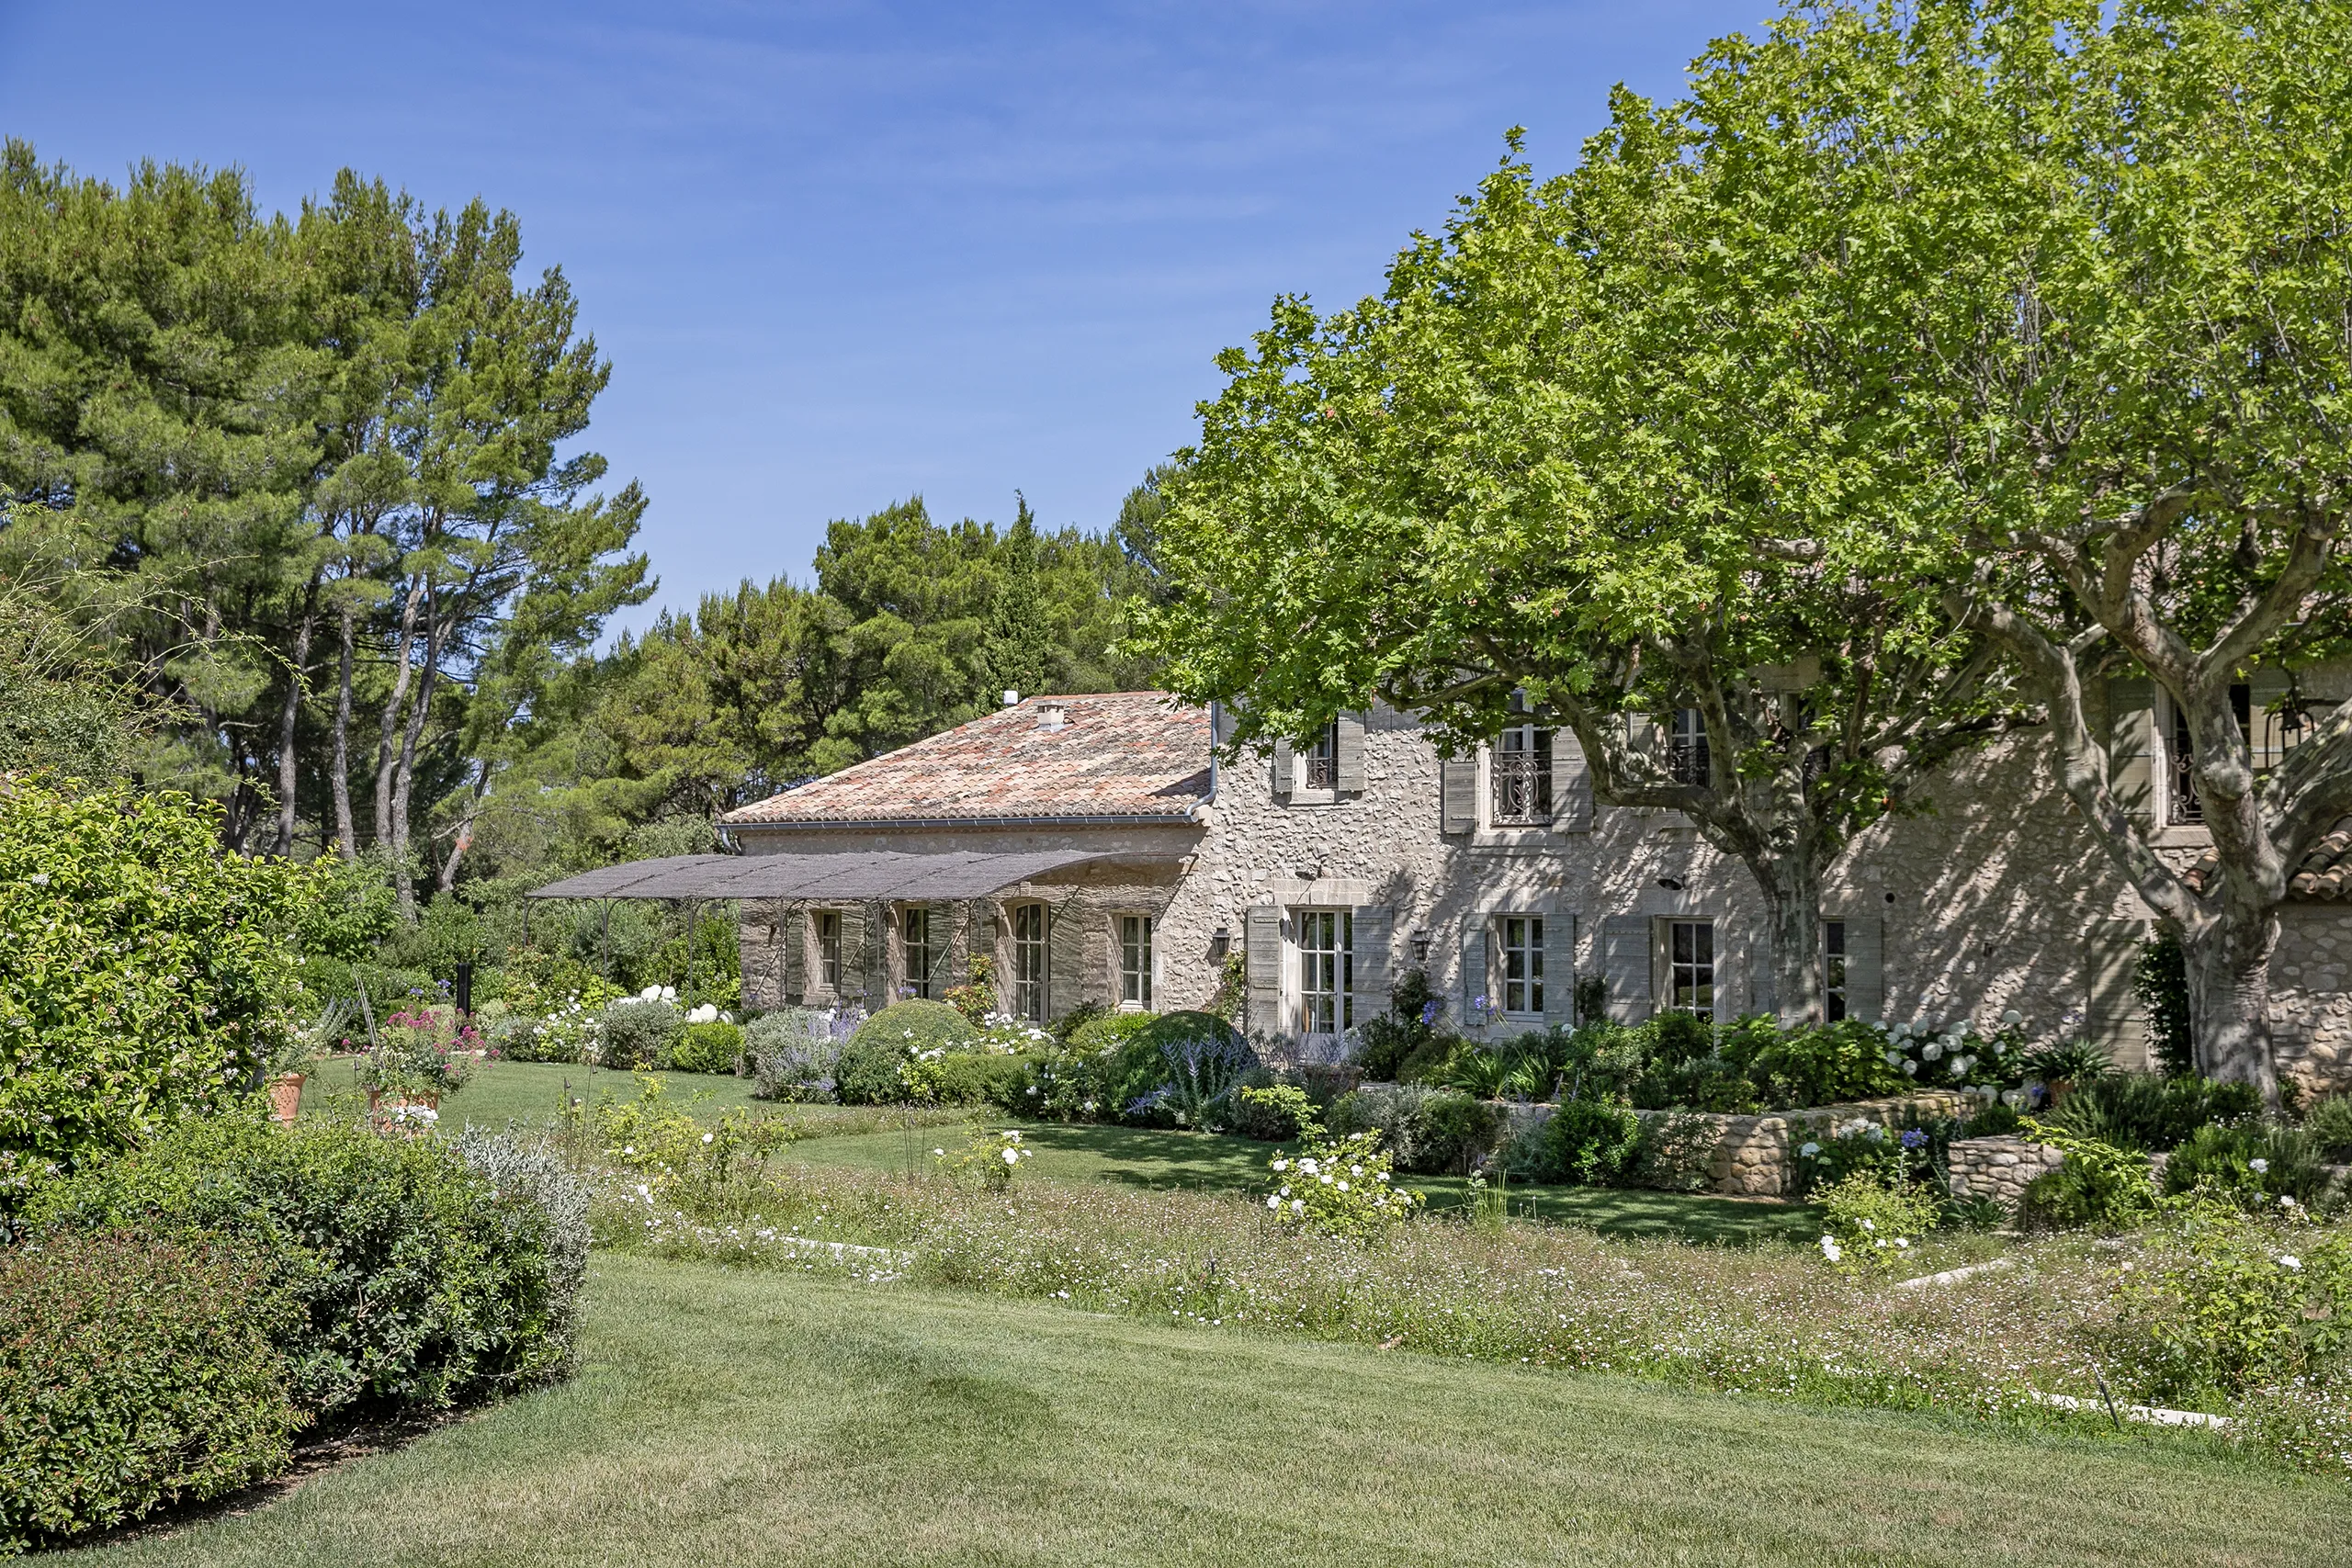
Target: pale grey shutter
x: 1375, y: 929
x: 2264, y: 687
x: 1262, y: 956
x: 1065, y: 956
x: 2131, y: 760
x: 1475, y: 980
x: 1625, y: 942
x: 1283, y: 772
x: 1457, y: 788
x: 1865, y: 969
x: 1347, y: 752
x: 1571, y: 784
x: 855, y: 959
x: 1560, y: 968
x: 1642, y: 737
x: 794, y: 929
x: 2113, y: 1018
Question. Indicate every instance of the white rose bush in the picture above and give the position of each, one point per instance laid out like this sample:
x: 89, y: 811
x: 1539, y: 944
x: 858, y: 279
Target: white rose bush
x: 1340, y: 1186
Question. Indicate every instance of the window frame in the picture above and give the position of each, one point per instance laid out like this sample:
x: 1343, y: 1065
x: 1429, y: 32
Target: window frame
x: 1136, y: 960
x: 1688, y: 753
x: 1525, y: 953
x: 909, y: 917
x: 1319, y: 763
x: 1027, y: 994
x: 1536, y: 743
x: 1836, y: 973
x: 1701, y: 932
x: 826, y: 933
x: 1335, y: 963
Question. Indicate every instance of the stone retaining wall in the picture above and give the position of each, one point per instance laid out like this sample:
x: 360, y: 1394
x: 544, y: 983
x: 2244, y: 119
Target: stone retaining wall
x: 1998, y: 1168
x: 1754, y: 1156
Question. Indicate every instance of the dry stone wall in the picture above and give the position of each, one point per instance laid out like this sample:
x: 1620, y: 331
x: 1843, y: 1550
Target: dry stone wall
x: 1999, y: 1169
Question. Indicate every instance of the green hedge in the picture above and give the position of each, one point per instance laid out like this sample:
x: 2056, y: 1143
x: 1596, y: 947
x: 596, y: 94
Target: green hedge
x: 417, y: 1280
x: 135, y: 1372
x: 707, y: 1048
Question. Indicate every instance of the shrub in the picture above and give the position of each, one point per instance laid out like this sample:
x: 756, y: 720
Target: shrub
x: 2145, y: 1112
x: 2100, y: 1186
x: 2251, y: 1163
x: 968, y: 1078
x: 135, y: 1372
x: 144, y: 976
x: 2069, y: 1061
x: 2219, y: 1303
x: 2329, y: 1126
x: 638, y: 1031
x: 1588, y: 1141
x: 1873, y: 1222
x: 1826, y: 1065
x: 1340, y: 1187
x: 991, y: 1158
x: 1455, y: 1131
x: 795, y: 1051
x: 1860, y: 1147
x: 1203, y: 1058
x: 916, y: 1025
x: 1995, y: 1121
x: 2161, y: 982
x: 866, y: 1073
x: 1067, y: 1027
x: 1275, y: 1114
x: 709, y: 1048
x: 1676, y: 1154
x: 419, y: 1282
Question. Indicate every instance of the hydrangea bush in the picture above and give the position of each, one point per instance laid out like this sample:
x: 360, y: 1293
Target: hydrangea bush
x: 1340, y: 1187
x: 1874, y: 1225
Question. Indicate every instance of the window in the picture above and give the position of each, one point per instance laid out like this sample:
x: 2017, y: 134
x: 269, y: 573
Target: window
x: 1029, y: 962
x: 1833, y: 971
x: 1691, y: 967
x: 1522, y: 945
x: 2185, y: 808
x: 1323, y: 758
x: 917, y: 952
x: 1687, y: 756
x: 1327, y: 977
x: 1522, y: 769
x: 1135, y: 961
x: 829, y: 949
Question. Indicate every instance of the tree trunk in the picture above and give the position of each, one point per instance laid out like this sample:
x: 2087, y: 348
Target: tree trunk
x: 2228, y: 960
x: 288, y: 775
x: 346, y: 836
x: 388, y: 724
x: 1791, y: 884
x: 405, y: 769
x: 465, y: 836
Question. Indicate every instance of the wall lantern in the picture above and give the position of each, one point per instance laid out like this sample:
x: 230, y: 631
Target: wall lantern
x: 1420, y: 939
x: 1671, y: 884
x: 1220, y: 943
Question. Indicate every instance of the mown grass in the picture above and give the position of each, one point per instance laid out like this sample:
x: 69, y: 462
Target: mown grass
x: 731, y: 1416
x: 531, y: 1094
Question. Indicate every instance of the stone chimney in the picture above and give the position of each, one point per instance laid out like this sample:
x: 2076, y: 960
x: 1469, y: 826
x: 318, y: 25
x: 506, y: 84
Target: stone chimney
x: 1052, y: 715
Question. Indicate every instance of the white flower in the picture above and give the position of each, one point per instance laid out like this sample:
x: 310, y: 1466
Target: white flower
x: 1869, y: 1224
x: 1343, y: 1187
x: 1935, y: 1050
x: 2291, y: 1261
x: 1809, y: 1150
x: 1324, y: 1178
x: 1902, y: 1241
x: 2013, y: 1018
x: 1894, y: 1058
x: 628, y: 1148
x: 1355, y: 1170
x: 1297, y: 1205
x: 1911, y: 1069
x: 650, y: 994
x: 2285, y: 1201
x: 706, y: 1137
x: 1012, y: 1157
x: 643, y: 1191
x: 1830, y: 1249
x: 2258, y: 1165
x: 1281, y: 1164
x: 668, y: 993
x: 941, y: 1153
x: 1274, y: 1202
x: 1308, y: 1166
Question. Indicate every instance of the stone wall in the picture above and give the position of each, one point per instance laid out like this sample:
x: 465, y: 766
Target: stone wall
x: 1754, y: 1156
x: 1999, y: 1169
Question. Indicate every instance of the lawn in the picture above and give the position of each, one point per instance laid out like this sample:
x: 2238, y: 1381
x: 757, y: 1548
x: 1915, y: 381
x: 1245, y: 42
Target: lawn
x: 531, y: 1093
x: 729, y: 1417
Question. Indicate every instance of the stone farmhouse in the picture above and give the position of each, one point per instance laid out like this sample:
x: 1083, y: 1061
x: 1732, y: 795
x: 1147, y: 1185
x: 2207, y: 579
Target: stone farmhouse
x: 1332, y: 868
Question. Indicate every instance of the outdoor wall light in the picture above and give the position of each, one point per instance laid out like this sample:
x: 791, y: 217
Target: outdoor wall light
x: 1220, y: 943
x: 1420, y: 939
x: 1671, y: 884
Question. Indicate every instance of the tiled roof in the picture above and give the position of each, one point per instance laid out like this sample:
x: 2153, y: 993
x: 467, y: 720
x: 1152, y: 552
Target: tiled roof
x: 1128, y: 754
x: 2325, y: 871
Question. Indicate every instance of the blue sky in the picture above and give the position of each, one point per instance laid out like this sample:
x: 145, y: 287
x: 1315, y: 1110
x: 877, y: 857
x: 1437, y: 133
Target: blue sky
x: 840, y: 253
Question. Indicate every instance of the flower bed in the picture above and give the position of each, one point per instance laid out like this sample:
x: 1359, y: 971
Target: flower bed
x: 1759, y: 1155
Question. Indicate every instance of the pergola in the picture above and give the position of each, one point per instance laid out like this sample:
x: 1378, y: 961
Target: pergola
x: 890, y: 875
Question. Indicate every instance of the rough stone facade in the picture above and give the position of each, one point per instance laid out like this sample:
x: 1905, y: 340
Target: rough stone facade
x: 1755, y: 1157
x: 1999, y: 1169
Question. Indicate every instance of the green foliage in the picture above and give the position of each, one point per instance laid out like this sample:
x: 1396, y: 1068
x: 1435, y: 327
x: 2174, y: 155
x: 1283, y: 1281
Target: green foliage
x: 2148, y: 1112
x: 2329, y: 1125
x: 793, y: 1053
x: 1874, y: 1223
x: 717, y: 962
x: 1676, y: 1154
x: 351, y: 910
x: 2069, y: 1061
x: 1590, y: 1142
x: 993, y: 1160
x: 143, y: 975
x: 1340, y: 1187
x: 2161, y: 983
x: 977, y: 1078
x: 1275, y: 1114
x: 1068, y: 1026
x: 135, y: 1373
x: 1415, y: 1019
x: 2258, y: 1163
x: 417, y: 1282
x: 1994, y: 1121
x: 1829, y: 1065
x: 638, y: 1031
x: 2099, y: 1187
x: 866, y: 1073
x: 916, y: 1025
x: 709, y: 1048
x: 2218, y: 1304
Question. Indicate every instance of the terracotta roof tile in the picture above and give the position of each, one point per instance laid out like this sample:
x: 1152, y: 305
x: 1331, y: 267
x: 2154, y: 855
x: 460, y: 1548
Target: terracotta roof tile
x: 1130, y: 754
x: 2325, y: 871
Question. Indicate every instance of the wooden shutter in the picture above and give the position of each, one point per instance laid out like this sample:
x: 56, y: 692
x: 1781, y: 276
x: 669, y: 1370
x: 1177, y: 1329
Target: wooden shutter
x: 1347, y: 752
x: 2112, y: 1015
x: 1865, y: 968
x: 2131, y: 748
x: 1642, y: 737
x: 1066, y: 925
x: 1560, y: 967
x: 1626, y: 943
x: 793, y: 931
x: 1457, y: 788
x: 1571, y: 786
x: 1262, y: 956
x: 1477, y: 980
x: 1376, y: 931
x: 1285, y: 773
x: 856, y: 962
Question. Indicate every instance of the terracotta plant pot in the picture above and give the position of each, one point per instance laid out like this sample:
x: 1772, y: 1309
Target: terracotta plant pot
x: 285, y: 1098
x: 385, y: 1111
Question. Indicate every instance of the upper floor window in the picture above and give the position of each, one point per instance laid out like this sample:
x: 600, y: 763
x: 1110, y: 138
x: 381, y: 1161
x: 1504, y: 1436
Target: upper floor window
x: 918, y: 952
x: 1135, y: 961
x: 1833, y: 970
x: 1523, y: 953
x: 1686, y: 747
x: 2185, y: 808
x: 1522, y: 776
x: 1323, y: 758
x: 829, y: 949
x: 1327, y: 974
x: 1028, y: 994
x: 1691, y: 967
